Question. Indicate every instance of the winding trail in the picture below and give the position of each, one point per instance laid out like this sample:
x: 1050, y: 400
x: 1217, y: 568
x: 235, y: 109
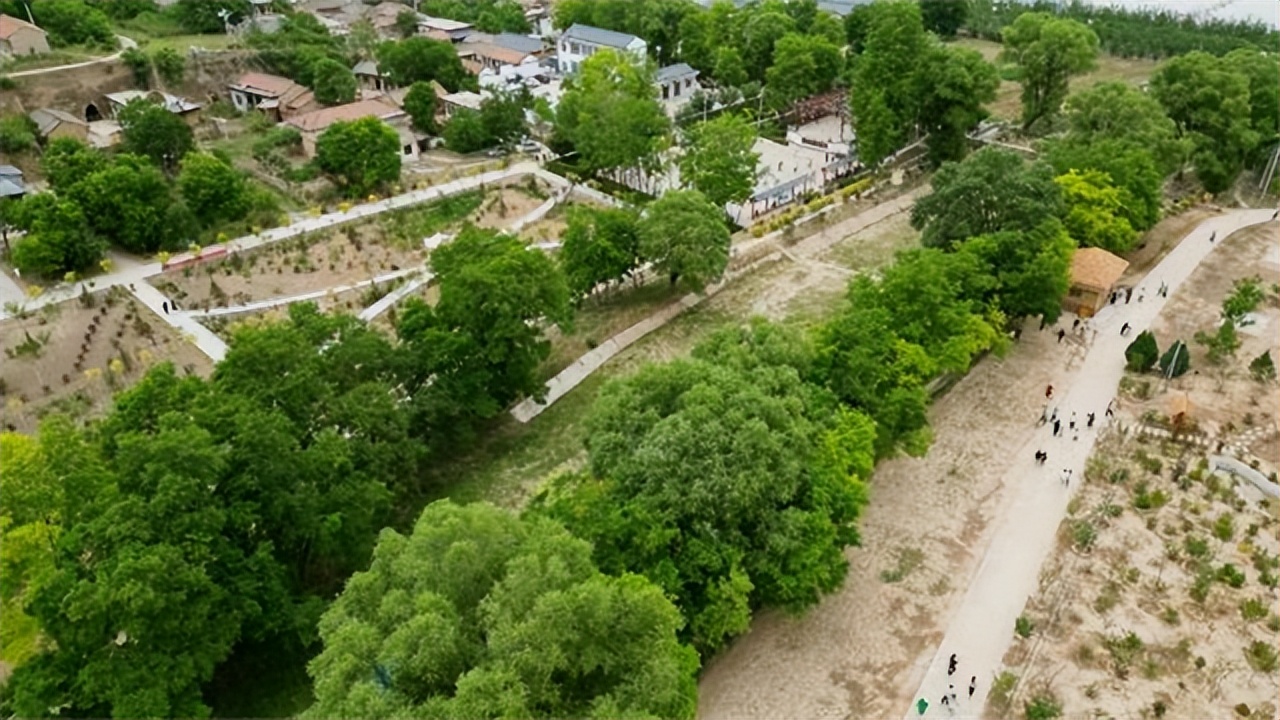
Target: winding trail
x: 980, y: 629
x: 125, y: 44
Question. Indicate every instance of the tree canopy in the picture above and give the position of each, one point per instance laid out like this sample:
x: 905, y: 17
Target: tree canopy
x: 991, y: 190
x: 478, y: 613
x: 1094, y: 214
x: 599, y: 245
x: 1048, y: 50
x: 333, y: 82
x: 953, y: 85
x: 610, y: 113
x: 726, y: 480
x: 718, y: 159
x: 886, y: 106
x: 421, y: 59
x: 363, y: 155
x: 420, y: 103
x: 685, y: 237
x: 151, y: 130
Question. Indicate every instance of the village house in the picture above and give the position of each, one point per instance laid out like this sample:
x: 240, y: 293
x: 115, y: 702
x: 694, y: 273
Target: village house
x: 454, y: 31
x: 311, y: 125
x: 19, y: 37
x: 1094, y: 274
x: 186, y: 109
x: 490, y: 56
x: 580, y: 42
x: 453, y: 102
x: 676, y: 82
x: 370, y: 78
x: 277, y: 97
x: 53, y: 124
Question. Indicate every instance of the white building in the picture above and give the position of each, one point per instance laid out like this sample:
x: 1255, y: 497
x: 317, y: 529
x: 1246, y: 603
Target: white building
x: 676, y: 82
x: 580, y: 42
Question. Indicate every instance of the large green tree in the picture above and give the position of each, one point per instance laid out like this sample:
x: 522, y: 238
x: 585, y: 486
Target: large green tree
x: 610, y: 113
x: 212, y: 189
x: 1118, y: 111
x: 886, y: 101
x: 803, y: 65
x: 151, y: 130
x: 1131, y: 167
x: 126, y: 204
x: 599, y: 245
x: 478, y: 613
x: 727, y: 480
x: 953, y: 84
x: 65, y: 161
x: 477, y: 350
x: 718, y: 159
x: 57, y: 237
x: 1261, y: 69
x: 1094, y: 215
x: 1024, y: 273
x: 685, y: 236
x: 1048, y: 50
x: 363, y: 155
x: 423, y: 59
x: 420, y: 103
x: 944, y: 17
x: 992, y: 190
x: 1209, y: 101
x: 333, y: 82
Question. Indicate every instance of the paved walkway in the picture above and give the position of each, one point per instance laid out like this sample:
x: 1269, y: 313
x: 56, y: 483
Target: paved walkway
x: 125, y: 44
x: 981, y: 628
x: 202, y: 337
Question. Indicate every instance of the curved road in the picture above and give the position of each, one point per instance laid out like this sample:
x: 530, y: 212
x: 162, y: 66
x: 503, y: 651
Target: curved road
x: 125, y: 44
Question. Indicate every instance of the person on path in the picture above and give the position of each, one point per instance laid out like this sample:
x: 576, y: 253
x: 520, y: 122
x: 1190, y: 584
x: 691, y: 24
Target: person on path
x: 1275, y: 215
x: 951, y: 693
x: 1089, y: 419
x: 946, y: 702
x: 1075, y: 324
x: 1110, y: 412
x: 1048, y: 392
x: 1061, y: 334
x: 1124, y: 329
x: 1042, y: 322
x: 165, y: 305
x: 951, y: 665
x: 1066, y: 477
x: 1057, y: 428
x: 1213, y: 236
x: 1054, y: 418
x: 1072, y: 424
x: 1128, y: 295
x: 1044, y: 415
x: 1114, y: 296
x: 973, y: 686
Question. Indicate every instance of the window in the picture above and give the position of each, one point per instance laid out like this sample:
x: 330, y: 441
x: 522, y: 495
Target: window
x: 666, y: 92
x: 408, y: 150
x: 677, y: 86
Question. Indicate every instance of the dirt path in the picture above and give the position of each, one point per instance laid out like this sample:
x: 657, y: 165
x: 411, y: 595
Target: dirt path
x: 864, y: 651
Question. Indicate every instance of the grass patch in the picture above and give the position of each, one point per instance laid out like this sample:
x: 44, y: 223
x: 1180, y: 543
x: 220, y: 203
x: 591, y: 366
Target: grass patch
x: 1044, y: 706
x: 60, y: 56
x: 909, y: 560
x: 1001, y: 695
x: 1023, y: 626
x: 597, y: 320
x: 1261, y: 657
x: 410, y: 227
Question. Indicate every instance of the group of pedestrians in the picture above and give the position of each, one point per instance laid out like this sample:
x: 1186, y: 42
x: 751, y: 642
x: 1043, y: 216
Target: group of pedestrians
x: 949, y: 699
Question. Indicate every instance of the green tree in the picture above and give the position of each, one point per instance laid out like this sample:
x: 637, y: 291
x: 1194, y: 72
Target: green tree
x: 803, y: 65
x: 1026, y: 273
x: 151, y: 130
x: 125, y: 203
x: 598, y: 246
x: 169, y: 65
x: 1209, y: 101
x: 886, y: 106
x: 1131, y: 167
x: 1048, y: 50
x: 139, y: 63
x: 65, y: 161
x: 480, y: 614
x: 406, y: 23
x: 684, y: 235
x: 1221, y: 345
x: 362, y: 155
x: 503, y: 116
x: 1246, y: 295
x: 1142, y: 353
x: 729, y: 68
x: 465, y: 132
x: 420, y: 103
x: 502, y: 16
x: 213, y: 190
x: 478, y: 349
x: 761, y: 31
x: 17, y: 134
x: 69, y: 22
x: 953, y: 85
x: 1094, y: 211
x: 1119, y: 111
x: 1176, y: 360
x: 57, y: 240
x: 731, y: 488
x: 201, y: 16
x: 1260, y: 68
x: 719, y: 161
x: 333, y: 82
x: 944, y: 17
x: 992, y: 190
x: 422, y: 59
x: 610, y: 113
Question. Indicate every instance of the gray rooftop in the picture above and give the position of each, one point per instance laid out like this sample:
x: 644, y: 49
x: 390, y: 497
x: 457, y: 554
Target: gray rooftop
x: 599, y: 36
x: 678, y: 70
x: 519, y: 43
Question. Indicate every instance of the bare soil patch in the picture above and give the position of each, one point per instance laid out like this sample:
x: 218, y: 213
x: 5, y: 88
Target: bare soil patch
x: 73, y: 356
x: 1162, y: 238
x: 507, y: 204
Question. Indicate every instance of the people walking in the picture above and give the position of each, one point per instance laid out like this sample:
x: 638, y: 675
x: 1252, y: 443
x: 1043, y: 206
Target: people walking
x: 1061, y: 334
x: 951, y: 665
x: 165, y: 305
x: 1124, y: 329
x: 1072, y: 423
x: 1066, y: 477
x: 1128, y: 295
x: 1057, y: 428
x: 973, y: 686
x: 1089, y: 420
x: 1048, y: 392
x: 1213, y: 236
x: 1075, y: 324
x: 1054, y: 418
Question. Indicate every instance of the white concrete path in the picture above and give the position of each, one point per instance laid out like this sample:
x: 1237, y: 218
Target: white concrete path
x: 205, y: 339
x: 125, y: 44
x: 395, y: 296
x: 981, y: 628
x: 275, y: 302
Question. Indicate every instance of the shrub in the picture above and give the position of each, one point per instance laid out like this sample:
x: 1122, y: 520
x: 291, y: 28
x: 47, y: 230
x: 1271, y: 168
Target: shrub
x: 1176, y: 361
x: 1231, y: 575
x: 1197, y: 547
x: 1261, y: 656
x: 17, y: 134
x: 1224, y: 528
x: 1083, y: 534
x: 1142, y: 353
x: 1043, y: 707
x: 1263, y: 368
x: 1002, y: 688
x: 1253, y: 609
x: 1023, y: 626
